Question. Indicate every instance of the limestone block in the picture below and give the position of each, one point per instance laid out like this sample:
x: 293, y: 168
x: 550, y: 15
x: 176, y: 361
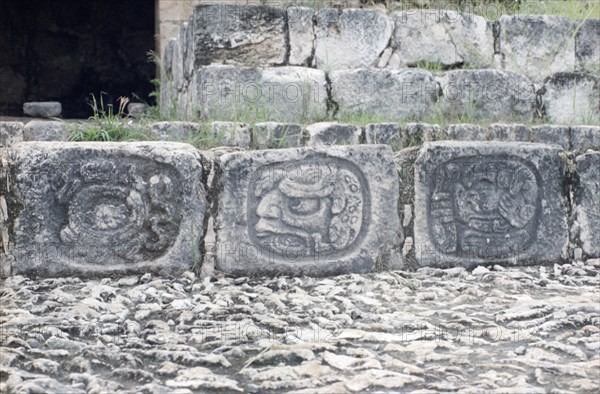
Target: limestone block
x: 302, y: 35
x: 231, y: 134
x: 585, y: 137
x: 396, y: 93
x: 448, y: 38
x: 417, y: 133
x: 308, y: 211
x: 45, y: 130
x: 99, y: 209
x: 42, y: 109
x: 384, y: 133
x: 282, y: 93
x: 277, y: 135
x: 588, y: 203
x: 571, y: 98
x: 467, y: 132
x: 510, y: 132
x: 332, y: 133
x: 350, y: 38
x: 552, y: 134
x: 489, y: 202
x: 10, y: 133
x: 587, y: 50
x: 174, y: 131
x: 537, y: 45
x: 487, y: 95
x: 253, y: 35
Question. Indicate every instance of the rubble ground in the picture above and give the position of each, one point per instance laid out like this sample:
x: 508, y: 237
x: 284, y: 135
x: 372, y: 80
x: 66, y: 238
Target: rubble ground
x: 494, y: 330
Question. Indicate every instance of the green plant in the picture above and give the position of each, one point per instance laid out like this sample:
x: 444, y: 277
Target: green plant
x: 105, y: 124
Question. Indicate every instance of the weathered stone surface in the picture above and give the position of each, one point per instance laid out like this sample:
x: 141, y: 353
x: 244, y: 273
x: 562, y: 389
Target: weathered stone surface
x: 351, y: 38
x: 553, y: 51
x: 571, y: 98
x: 308, y: 211
x: 277, y: 135
x: 585, y: 137
x: 467, y: 132
x: 588, y: 202
x: 231, y: 134
x: 252, y: 35
x: 486, y: 202
x: 10, y: 133
x: 332, y: 133
x: 402, y: 94
x: 384, y: 133
x: 103, y: 208
x: 45, y: 130
x: 302, y: 35
x: 448, y: 38
x: 174, y: 131
x: 587, y: 50
x: 417, y: 133
x: 510, y: 132
x: 42, y: 109
x: 487, y: 95
x: 284, y: 93
x: 552, y: 134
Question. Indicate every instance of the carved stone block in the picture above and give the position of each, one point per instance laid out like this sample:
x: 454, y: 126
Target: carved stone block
x: 588, y: 203
x: 308, y: 211
x: 489, y: 202
x: 97, y: 209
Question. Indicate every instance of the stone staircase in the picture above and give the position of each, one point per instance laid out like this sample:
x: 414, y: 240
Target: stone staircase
x: 334, y: 197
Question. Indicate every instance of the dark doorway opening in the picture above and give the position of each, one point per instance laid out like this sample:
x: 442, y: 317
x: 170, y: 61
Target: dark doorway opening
x: 66, y: 50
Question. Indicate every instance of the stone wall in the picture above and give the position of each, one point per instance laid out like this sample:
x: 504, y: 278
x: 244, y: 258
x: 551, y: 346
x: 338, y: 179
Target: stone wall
x: 279, y: 198
x: 235, y: 58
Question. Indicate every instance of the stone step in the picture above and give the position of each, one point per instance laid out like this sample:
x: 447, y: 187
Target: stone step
x: 231, y: 58
x: 101, y: 208
x: 97, y: 209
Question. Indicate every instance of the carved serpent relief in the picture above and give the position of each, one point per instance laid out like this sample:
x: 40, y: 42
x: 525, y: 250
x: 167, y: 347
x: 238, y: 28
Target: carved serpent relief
x: 308, y: 208
x: 125, y: 207
x: 485, y: 207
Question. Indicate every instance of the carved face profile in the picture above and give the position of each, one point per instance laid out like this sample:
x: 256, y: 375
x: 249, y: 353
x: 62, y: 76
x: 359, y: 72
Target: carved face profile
x: 303, y: 209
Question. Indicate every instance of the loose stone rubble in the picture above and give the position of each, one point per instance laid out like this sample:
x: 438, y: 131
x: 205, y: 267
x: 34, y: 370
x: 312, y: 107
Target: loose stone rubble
x: 101, y: 208
x: 518, y: 329
x: 42, y: 109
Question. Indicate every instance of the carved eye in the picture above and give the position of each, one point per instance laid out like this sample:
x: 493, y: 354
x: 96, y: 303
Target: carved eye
x: 304, y: 206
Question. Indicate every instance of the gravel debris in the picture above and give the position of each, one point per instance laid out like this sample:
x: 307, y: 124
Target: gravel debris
x: 492, y: 330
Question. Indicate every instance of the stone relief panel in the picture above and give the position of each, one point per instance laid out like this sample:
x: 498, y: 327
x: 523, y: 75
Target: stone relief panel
x: 100, y: 208
x: 298, y: 210
x: 487, y: 207
x: 309, y: 211
x: 130, y: 205
x: 489, y: 203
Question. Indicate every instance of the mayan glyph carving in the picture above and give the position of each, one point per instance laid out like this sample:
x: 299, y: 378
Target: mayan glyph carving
x: 131, y: 206
x: 104, y: 208
x: 310, y: 211
x: 298, y: 210
x: 485, y: 206
x: 489, y: 202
